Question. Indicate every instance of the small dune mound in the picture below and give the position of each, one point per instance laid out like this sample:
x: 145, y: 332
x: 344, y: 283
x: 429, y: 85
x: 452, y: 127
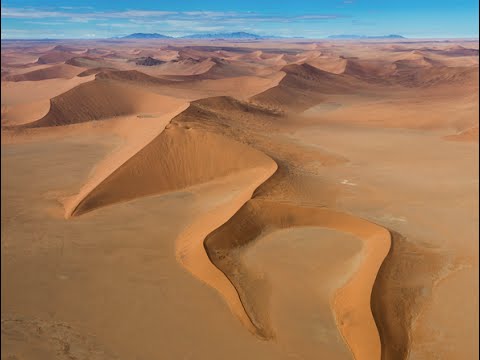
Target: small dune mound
x: 131, y: 76
x: 97, y: 51
x: 304, y: 86
x: 256, y: 55
x: 96, y: 100
x: 468, y: 135
x: 55, y: 56
x: 293, y: 58
x: 228, y: 115
x: 183, y: 67
x: 334, y: 65
x: 371, y: 71
x: 227, y: 104
x: 461, y: 51
x: 65, y: 48
x: 439, y: 75
x: 217, y: 68
x: 61, y: 71
x: 148, y: 61
x: 175, y: 160
x: 94, y: 71
x: 415, y: 59
x: 351, y: 304
x: 456, y: 50
x: 86, y: 62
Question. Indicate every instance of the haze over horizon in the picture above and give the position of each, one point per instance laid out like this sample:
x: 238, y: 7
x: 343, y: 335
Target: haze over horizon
x: 77, y: 19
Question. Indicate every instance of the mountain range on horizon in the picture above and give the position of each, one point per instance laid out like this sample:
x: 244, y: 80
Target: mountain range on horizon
x: 246, y: 35
x: 232, y: 35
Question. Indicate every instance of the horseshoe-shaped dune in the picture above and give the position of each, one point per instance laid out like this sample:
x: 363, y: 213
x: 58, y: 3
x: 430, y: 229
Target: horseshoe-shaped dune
x: 351, y: 303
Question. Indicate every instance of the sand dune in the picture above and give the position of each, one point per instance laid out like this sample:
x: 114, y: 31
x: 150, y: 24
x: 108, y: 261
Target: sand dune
x: 22, y: 103
x: 96, y: 100
x: 132, y: 76
x: 258, y: 218
x: 55, y: 56
x: 305, y: 85
x: 242, y: 87
x: 217, y: 69
x: 95, y: 70
x: 470, y: 134
x: 182, y: 67
x: 169, y: 173
x: 87, y: 62
x: 331, y: 64
x: 62, y: 71
x: 465, y: 76
x: 177, y: 159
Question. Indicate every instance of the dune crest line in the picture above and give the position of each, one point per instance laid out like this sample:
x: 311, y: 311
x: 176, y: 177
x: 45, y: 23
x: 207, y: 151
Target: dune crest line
x: 175, y: 160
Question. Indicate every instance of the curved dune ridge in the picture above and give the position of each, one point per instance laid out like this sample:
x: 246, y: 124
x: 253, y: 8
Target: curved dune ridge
x: 62, y: 71
x: 180, y: 158
x: 305, y: 85
x: 96, y: 100
x: 131, y: 75
x: 351, y: 303
x: 22, y: 103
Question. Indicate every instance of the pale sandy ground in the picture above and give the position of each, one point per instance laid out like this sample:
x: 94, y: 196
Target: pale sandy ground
x: 323, y: 205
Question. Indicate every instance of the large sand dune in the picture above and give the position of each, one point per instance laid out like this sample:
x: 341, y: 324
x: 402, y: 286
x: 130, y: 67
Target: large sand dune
x: 176, y: 159
x: 305, y: 85
x: 257, y: 219
x: 96, y: 100
x: 54, y: 72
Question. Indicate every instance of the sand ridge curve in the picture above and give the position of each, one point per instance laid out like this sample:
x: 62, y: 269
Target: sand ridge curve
x: 354, y: 318
x: 184, y: 158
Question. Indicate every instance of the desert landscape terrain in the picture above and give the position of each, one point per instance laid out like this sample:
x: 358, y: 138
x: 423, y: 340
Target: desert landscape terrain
x: 209, y: 199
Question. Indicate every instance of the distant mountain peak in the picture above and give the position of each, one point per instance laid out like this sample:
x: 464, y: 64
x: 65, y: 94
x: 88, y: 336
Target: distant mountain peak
x: 145, y: 36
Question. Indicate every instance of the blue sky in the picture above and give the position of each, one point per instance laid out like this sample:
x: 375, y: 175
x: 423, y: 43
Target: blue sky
x: 312, y: 19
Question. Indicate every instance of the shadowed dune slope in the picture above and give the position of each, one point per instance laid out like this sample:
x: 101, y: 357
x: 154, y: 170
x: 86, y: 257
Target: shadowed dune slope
x: 55, y: 56
x: 439, y: 75
x: 176, y: 159
x: 229, y: 116
x: 304, y: 86
x: 132, y: 76
x: 218, y: 69
x: 87, y: 62
x: 351, y: 303
x: 335, y: 65
x: 23, y: 103
x: 98, y: 99
x: 94, y: 71
x: 57, y: 71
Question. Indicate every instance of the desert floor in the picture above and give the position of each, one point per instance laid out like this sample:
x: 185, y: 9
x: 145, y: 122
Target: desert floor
x: 245, y: 200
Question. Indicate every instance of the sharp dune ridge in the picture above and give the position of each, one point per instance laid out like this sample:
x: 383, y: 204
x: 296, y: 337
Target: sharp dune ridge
x: 305, y: 85
x: 98, y: 99
x: 54, y: 72
x: 167, y: 164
